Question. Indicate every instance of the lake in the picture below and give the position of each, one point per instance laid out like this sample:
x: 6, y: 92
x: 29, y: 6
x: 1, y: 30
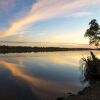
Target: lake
x: 41, y: 76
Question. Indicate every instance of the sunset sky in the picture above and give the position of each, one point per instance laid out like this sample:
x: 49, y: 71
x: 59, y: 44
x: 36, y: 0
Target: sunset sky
x: 56, y: 21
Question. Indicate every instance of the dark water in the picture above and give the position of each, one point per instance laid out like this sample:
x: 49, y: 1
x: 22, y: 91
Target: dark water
x: 40, y: 76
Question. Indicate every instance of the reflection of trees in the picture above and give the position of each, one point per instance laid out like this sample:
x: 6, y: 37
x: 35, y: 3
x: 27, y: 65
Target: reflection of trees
x: 90, y: 68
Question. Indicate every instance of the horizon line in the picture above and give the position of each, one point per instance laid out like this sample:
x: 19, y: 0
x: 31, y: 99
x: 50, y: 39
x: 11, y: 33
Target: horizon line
x: 40, y: 42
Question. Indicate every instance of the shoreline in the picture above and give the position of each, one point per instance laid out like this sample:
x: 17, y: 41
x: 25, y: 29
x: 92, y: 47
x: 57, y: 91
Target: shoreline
x: 88, y: 93
x: 22, y: 49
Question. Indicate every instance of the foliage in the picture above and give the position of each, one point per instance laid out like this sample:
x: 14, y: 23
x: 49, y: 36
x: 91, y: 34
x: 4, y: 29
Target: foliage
x: 90, y: 68
x: 93, y: 33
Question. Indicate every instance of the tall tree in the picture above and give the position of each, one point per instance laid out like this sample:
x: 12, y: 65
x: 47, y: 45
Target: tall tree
x: 93, y: 33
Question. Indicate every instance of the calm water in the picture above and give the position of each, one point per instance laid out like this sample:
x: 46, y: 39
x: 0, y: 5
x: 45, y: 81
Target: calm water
x: 40, y: 76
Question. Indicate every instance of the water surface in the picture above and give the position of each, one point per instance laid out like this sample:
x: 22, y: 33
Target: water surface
x: 40, y: 76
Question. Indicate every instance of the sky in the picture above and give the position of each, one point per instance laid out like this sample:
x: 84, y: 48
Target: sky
x: 47, y: 21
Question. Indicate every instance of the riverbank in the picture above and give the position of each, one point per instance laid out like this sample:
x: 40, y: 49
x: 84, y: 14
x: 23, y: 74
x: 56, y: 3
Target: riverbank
x: 89, y: 93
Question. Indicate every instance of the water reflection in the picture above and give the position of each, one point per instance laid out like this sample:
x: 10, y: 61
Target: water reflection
x: 43, y: 85
x: 39, y: 76
x: 9, y: 85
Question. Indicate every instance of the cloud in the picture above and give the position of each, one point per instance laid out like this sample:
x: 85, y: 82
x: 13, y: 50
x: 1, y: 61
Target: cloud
x: 80, y: 14
x: 43, y: 10
x: 6, y: 4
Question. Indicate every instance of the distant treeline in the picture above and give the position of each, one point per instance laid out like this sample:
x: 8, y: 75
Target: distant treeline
x: 21, y: 49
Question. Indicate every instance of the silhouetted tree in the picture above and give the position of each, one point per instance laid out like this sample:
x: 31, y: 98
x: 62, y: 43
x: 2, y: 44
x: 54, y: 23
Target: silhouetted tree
x: 93, y: 33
